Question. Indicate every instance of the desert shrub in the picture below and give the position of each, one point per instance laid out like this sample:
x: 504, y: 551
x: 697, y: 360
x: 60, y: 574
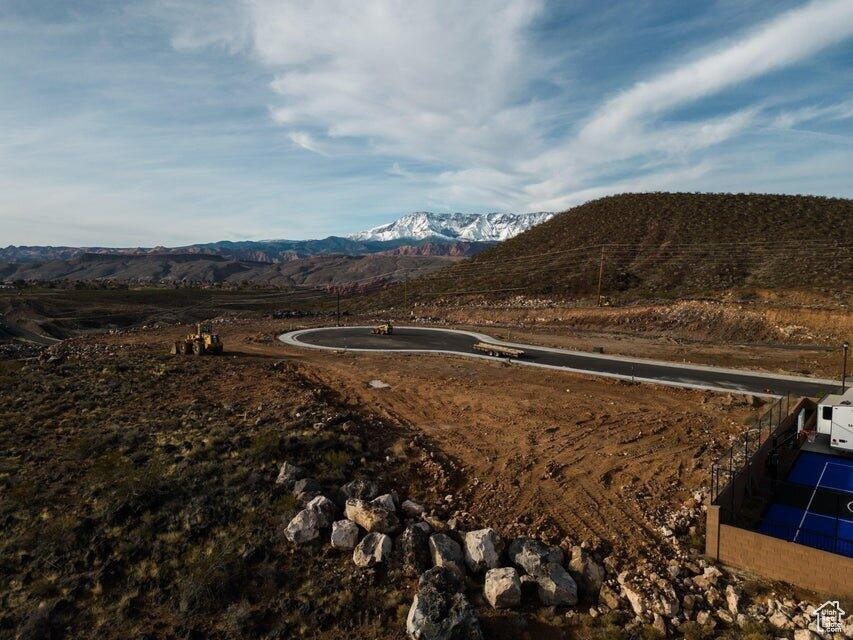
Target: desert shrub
x: 126, y: 489
x: 211, y: 581
x: 238, y: 620
x: 335, y: 463
x: 266, y: 445
x: 694, y: 631
x: 752, y: 630
x: 610, y: 626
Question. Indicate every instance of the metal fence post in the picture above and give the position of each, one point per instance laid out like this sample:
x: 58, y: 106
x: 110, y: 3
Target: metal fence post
x: 713, y: 482
x: 732, y: 480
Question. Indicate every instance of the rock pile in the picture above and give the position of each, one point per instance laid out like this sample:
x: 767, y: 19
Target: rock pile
x: 452, y: 560
x: 446, y: 558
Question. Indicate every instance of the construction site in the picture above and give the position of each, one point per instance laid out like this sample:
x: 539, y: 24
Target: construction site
x: 684, y: 457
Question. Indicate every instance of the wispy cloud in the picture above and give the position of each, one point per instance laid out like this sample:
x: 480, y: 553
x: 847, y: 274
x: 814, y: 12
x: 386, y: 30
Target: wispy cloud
x: 306, y: 141
x: 833, y: 112
x: 784, y: 41
x: 293, y: 118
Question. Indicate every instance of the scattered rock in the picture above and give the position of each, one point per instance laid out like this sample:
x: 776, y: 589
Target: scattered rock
x: 412, y: 509
x: 608, y: 597
x: 532, y: 556
x: 440, y: 611
x: 414, y: 550
x: 707, y: 578
x: 344, y: 535
x: 528, y: 585
x: 779, y: 620
x: 325, y: 509
x: 374, y: 548
x: 660, y: 624
x: 805, y: 634
x: 591, y: 573
x: 360, y: 489
x: 386, y: 501
x: 441, y: 578
x: 370, y: 517
x: 304, y: 527
x: 635, y: 598
x: 306, y: 489
x: 502, y: 588
x: 289, y: 474
x: 482, y: 550
x: 446, y: 552
x: 705, y: 619
x: 557, y: 587
x: 732, y: 599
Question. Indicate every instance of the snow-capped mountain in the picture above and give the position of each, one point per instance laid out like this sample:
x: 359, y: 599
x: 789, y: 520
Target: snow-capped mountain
x: 485, y: 227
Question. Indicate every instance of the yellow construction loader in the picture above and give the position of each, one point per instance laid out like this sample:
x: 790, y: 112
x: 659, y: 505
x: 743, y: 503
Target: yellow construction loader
x: 202, y: 342
x: 384, y: 329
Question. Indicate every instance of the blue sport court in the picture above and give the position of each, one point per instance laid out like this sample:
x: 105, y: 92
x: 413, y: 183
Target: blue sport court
x: 814, y: 506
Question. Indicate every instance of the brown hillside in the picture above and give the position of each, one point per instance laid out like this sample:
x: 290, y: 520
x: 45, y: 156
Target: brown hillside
x: 665, y: 244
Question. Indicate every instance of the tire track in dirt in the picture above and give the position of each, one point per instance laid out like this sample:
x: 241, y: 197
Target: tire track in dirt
x: 542, y: 451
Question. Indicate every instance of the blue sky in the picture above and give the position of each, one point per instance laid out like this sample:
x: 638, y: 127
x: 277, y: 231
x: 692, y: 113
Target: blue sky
x: 176, y: 121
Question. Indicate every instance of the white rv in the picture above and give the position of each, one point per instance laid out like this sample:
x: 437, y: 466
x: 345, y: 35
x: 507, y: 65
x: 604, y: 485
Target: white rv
x: 835, y: 418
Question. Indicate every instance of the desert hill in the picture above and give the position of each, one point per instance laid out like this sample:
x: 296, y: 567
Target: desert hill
x: 202, y: 269
x: 665, y: 244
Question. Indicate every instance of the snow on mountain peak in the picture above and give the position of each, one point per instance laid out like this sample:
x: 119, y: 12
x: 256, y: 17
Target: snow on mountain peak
x: 485, y: 227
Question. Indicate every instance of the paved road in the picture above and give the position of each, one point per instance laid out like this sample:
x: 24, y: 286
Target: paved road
x: 449, y: 341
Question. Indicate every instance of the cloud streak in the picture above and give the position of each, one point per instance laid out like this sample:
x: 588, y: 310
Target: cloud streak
x: 784, y: 41
x: 294, y: 118
x: 420, y: 83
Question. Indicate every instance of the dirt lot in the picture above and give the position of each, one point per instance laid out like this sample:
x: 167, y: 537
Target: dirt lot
x: 590, y: 459
x: 565, y: 454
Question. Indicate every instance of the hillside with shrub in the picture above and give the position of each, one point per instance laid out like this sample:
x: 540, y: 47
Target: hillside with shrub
x: 660, y: 245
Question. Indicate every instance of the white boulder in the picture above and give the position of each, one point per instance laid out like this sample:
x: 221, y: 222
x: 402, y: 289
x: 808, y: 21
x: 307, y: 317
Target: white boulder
x: 374, y: 548
x: 446, y: 552
x: 344, y: 535
x: 304, y: 527
x: 372, y: 518
x: 482, y: 550
x: 325, y: 509
x: 502, y: 588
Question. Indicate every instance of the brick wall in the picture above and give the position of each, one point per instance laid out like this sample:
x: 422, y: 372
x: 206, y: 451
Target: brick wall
x: 827, y: 573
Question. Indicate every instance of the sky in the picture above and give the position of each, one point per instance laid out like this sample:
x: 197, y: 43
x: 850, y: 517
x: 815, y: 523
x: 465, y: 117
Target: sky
x: 168, y: 122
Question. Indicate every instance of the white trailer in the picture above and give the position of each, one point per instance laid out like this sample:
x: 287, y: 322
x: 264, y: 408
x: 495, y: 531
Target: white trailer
x: 835, y: 418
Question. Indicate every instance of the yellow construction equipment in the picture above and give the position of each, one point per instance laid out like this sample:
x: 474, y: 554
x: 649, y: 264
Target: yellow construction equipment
x: 498, y: 350
x: 202, y: 342
x: 384, y: 329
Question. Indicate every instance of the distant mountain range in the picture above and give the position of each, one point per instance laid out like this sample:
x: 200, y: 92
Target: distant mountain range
x: 412, y: 246
x: 486, y: 227
x: 270, y: 251
x: 422, y: 234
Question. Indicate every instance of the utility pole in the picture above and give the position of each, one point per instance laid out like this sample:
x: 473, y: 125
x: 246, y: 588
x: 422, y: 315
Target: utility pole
x: 406, y: 291
x: 338, y: 291
x: 846, y: 347
x: 600, y: 274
